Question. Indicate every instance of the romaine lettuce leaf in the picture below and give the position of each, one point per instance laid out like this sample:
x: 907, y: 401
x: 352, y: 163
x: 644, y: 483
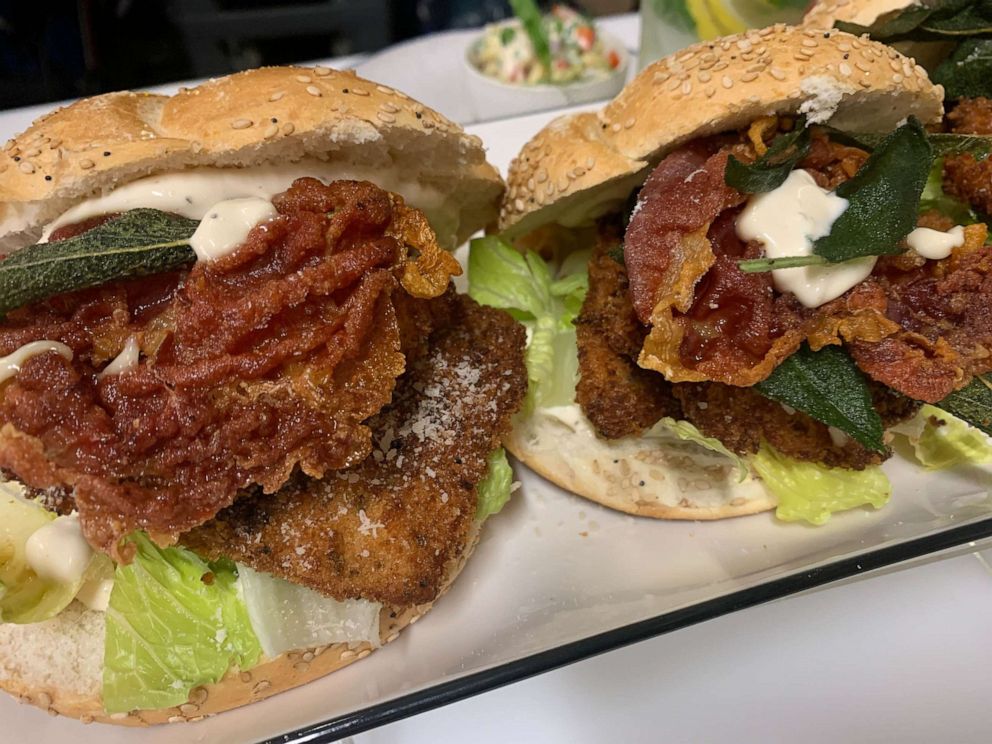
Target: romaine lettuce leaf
x: 941, y: 440
x: 26, y: 597
x: 494, y: 489
x: 287, y: 616
x: 524, y: 286
x: 174, y: 622
x: 811, y: 492
x: 689, y: 433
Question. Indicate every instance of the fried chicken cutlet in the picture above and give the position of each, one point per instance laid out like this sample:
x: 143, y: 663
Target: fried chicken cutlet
x: 385, y: 529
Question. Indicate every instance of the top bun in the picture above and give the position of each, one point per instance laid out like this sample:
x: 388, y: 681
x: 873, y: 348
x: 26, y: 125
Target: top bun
x: 854, y: 84
x: 273, y: 114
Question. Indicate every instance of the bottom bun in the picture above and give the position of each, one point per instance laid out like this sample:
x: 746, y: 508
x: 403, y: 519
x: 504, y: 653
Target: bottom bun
x: 57, y: 665
x: 656, y: 475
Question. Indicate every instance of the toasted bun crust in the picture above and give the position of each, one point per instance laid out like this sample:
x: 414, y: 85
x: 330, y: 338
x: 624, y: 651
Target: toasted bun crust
x: 641, y: 476
x: 58, y: 665
x: 250, y: 118
x: 852, y: 83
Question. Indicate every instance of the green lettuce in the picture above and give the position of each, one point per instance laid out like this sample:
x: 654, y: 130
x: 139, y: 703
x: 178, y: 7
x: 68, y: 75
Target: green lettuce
x: 26, y: 597
x: 174, y: 622
x: 941, y: 440
x: 523, y: 285
x: 811, y: 492
x: 494, y: 489
x: 689, y: 433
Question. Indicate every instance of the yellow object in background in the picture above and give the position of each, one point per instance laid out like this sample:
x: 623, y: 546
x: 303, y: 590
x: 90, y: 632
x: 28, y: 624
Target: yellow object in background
x: 670, y: 25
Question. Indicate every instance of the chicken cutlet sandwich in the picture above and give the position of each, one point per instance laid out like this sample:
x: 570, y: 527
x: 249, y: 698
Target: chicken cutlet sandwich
x: 740, y: 283
x: 250, y: 431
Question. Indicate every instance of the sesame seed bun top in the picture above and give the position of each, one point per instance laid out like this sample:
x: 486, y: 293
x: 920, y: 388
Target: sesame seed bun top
x: 715, y: 86
x: 274, y: 114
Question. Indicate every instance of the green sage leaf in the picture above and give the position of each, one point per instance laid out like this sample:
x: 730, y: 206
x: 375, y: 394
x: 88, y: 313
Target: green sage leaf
x: 937, y: 19
x: 972, y: 403
x: 883, y: 198
x: 827, y: 386
x: 770, y: 170
x: 138, y: 243
x: 967, y: 73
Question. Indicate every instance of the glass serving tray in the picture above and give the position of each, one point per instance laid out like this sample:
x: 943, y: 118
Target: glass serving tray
x: 556, y: 579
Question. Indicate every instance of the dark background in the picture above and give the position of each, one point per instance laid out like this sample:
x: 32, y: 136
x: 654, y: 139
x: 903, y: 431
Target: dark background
x: 51, y: 50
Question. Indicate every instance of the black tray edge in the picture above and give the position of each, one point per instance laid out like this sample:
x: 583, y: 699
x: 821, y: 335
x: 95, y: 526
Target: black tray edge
x: 546, y: 661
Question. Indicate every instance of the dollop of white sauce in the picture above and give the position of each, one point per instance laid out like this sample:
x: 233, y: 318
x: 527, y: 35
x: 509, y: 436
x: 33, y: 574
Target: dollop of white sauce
x: 192, y: 193
x: 226, y: 225
x: 934, y: 244
x: 125, y: 360
x: 58, y: 551
x: 11, y: 364
x: 96, y: 594
x: 786, y: 221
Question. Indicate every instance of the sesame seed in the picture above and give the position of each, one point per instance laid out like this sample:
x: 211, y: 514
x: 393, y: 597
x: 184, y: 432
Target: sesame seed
x: 590, y: 162
x: 384, y: 89
x: 862, y: 66
x: 727, y: 81
x: 776, y: 73
x: 616, y: 127
x: 390, y: 108
x: 303, y: 78
x: 705, y: 77
x: 271, y: 131
x: 188, y: 709
x: 845, y: 69
x: 629, y: 123
x: 313, y: 90
x: 26, y: 167
x: 288, y: 128
x: 347, y: 654
x: 86, y: 163
x: 563, y: 183
x: 518, y: 204
x: 241, y: 123
x: 321, y: 71
x: 360, y: 91
x: 32, y: 153
x: 392, y: 637
x: 897, y: 78
x: 541, y: 175
x: 384, y: 117
x: 686, y: 87
x: 809, y: 43
x: 363, y: 653
x: 277, y: 95
x: 308, y: 656
x: 261, y: 687
x: 748, y: 77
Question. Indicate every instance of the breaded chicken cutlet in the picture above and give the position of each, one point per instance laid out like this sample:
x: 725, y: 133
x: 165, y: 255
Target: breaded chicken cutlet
x: 386, y: 528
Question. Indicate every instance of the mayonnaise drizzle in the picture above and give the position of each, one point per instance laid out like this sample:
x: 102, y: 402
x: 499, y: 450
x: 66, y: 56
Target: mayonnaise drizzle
x: 934, y: 244
x: 11, y: 364
x: 125, y: 360
x: 58, y: 551
x: 192, y: 193
x: 786, y: 221
x: 226, y: 225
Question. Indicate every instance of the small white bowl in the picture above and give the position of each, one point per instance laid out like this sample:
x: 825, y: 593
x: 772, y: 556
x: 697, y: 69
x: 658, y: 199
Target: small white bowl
x: 493, y: 99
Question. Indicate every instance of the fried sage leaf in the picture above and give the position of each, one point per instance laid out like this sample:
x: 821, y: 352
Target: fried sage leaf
x: 967, y: 73
x: 827, y: 386
x: 882, y: 198
x: 972, y: 403
x: 769, y: 171
x: 937, y: 19
x: 138, y: 243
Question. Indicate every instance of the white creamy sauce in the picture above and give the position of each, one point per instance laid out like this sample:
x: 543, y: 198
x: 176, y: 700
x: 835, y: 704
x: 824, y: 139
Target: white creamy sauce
x: 786, y: 221
x: 192, y: 193
x: 58, y: 551
x: 226, y: 225
x: 125, y: 360
x: 934, y: 244
x: 11, y: 364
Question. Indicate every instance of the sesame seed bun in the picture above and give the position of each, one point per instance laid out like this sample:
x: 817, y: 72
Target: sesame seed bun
x: 715, y: 86
x: 273, y: 114
x: 636, y: 475
x: 57, y: 665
